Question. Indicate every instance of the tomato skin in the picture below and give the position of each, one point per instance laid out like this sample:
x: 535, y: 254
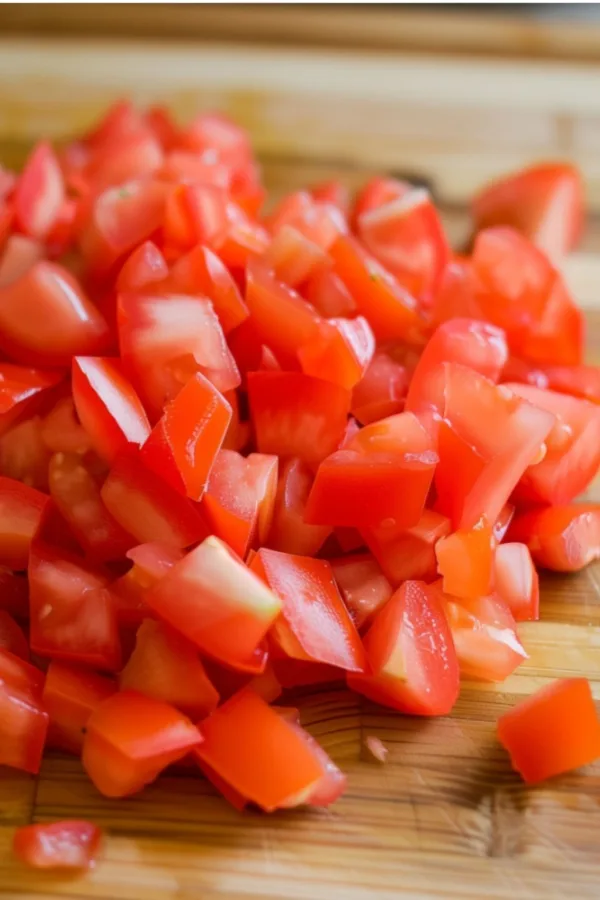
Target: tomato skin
x: 389, y: 309
x: 466, y: 562
x: 165, y: 666
x: 517, y: 581
x: 314, y: 624
x: 408, y: 554
x: 406, y: 235
x: 77, y: 496
x: 45, y: 318
x: 381, y: 392
x: 489, y: 437
x: 73, y: 617
x: 563, y: 538
x: 147, y: 507
x: 39, y: 192
x: 130, y: 739
x: 71, y: 693
x: 23, y: 721
x: 573, y: 448
x: 107, y: 406
x: 553, y: 731
x: 544, y: 202
x: 289, y: 532
x: 363, y: 586
x: 238, y: 505
x: 69, y: 844
x: 341, y: 353
x: 484, y: 634
x: 166, y: 339
x: 385, y: 473
x: 479, y: 346
x: 261, y: 755
x: 185, y: 442
x: 217, y: 603
x: 409, y: 647
x: 295, y: 415
x: 20, y: 512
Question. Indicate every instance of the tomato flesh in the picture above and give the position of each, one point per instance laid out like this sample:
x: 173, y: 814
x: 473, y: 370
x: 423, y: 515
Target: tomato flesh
x: 70, y: 844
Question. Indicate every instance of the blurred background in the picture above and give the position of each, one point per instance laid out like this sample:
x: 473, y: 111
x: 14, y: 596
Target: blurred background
x: 448, y: 95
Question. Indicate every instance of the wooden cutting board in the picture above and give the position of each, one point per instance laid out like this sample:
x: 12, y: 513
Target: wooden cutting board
x: 445, y: 817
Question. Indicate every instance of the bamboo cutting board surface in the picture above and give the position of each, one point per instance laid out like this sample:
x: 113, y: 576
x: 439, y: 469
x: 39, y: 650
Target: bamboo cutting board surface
x: 445, y: 817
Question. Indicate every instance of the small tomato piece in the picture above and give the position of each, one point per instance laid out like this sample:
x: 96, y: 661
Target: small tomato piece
x: 71, y: 693
x: 70, y: 844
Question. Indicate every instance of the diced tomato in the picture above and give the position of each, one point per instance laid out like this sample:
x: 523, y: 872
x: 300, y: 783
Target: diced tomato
x: 216, y: 602
x: 289, y: 532
x: 341, y: 352
x: 377, y: 192
x: 382, y: 390
x: 387, y: 306
x: 39, y: 193
x: 563, y: 538
x: 167, y: 339
x: 466, y: 562
x: 166, y: 666
x: 239, y: 502
x: 328, y: 294
x: 202, y: 272
x: 20, y: 511
x: 479, y: 346
x: 484, y: 634
x: 107, y: 406
x: 12, y: 636
x: 384, y: 473
x: 489, y: 439
x: 185, y: 442
x: 408, y: 554
x: 23, y: 721
x: 20, y: 388
x: 572, y: 448
x: 314, y: 624
x: 71, y: 693
x: 410, y: 650
x: 73, y: 617
x: 24, y: 455
x: 559, y: 336
x: 76, y: 494
x: 130, y: 739
x: 69, y: 844
x: 544, y: 202
x: 363, y: 586
x: 517, y: 581
x: 150, y: 563
x: 295, y: 258
x: 264, y: 757
x: 195, y: 213
x: 296, y: 415
x: 578, y: 381
x: 553, y: 731
x: 45, y: 318
x: 407, y: 237
x: 145, y: 266
x: 333, y: 192
x: 62, y: 432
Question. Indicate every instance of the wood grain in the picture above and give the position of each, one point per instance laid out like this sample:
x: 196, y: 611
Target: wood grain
x: 445, y: 817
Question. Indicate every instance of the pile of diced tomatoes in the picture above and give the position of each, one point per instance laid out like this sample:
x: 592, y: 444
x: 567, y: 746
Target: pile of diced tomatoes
x: 247, y: 447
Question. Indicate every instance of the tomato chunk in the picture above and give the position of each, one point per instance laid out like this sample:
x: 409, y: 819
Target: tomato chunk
x: 39, y: 193
x: 363, y: 586
x: 408, y: 554
x: 20, y: 389
x: 130, y: 739
x: 381, y: 392
x: 71, y: 694
x: 23, y: 721
x: 341, y: 353
x: 517, y: 581
x: 186, y: 440
x: 215, y: 601
x: 553, y: 731
x: 466, y: 561
x: 289, y: 532
x: 297, y: 415
x: 202, y: 272
x: 70, y: 844
x: 411, y: 653
x: 562, y: 538
x: 166, y: 666
x: 314, y: 624
x: 265, y: 758
x: 107, y: 406
x: 150, y: 563
x: 20, y: 512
